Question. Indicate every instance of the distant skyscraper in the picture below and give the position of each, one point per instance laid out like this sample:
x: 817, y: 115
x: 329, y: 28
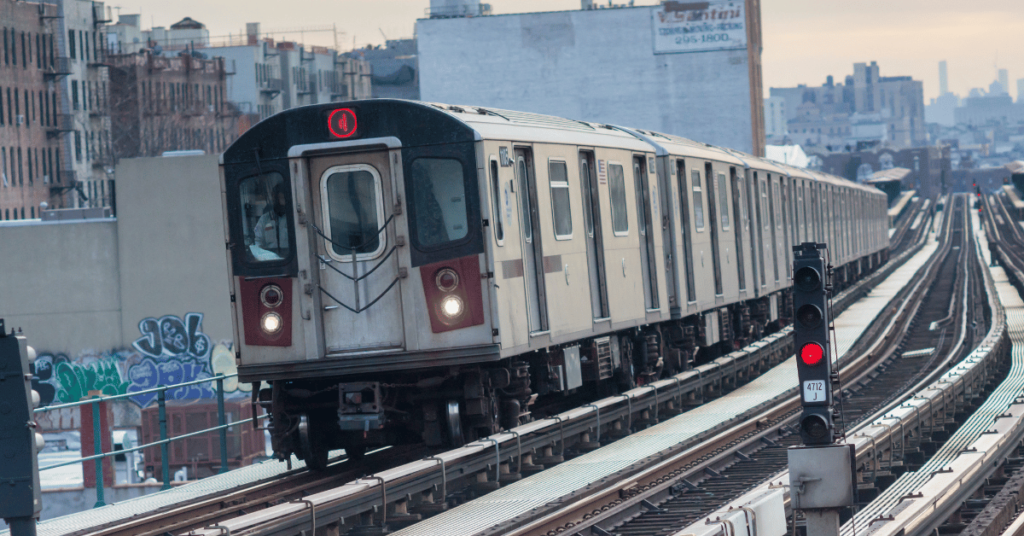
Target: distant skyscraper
x: 1020, y: 90
x: 943, y: 78
x: 1004, y: 80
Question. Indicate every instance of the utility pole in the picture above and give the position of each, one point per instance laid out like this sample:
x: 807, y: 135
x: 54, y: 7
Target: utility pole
x: 20, y: 500
x: 820, y: 472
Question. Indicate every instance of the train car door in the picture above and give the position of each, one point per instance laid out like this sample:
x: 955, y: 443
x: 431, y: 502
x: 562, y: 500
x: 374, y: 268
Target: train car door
x: 349, y: 194
x: 741, y: 225
x: 595, y: 243
x: 684, y: 217
x: 533, y: 253
x: 713, y: 208
x: 648, y: 262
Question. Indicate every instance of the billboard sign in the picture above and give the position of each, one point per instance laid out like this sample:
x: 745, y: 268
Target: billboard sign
x: 698, y: 27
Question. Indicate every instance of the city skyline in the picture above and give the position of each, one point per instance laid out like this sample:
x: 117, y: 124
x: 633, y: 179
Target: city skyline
x: 803, y: 44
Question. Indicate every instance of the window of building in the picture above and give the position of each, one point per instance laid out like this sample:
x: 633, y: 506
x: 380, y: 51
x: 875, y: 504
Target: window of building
x: 32, y: 211
x: 558, y: 179
x: 39, y: 52
x: 74, y: 94
x: 78, y: 146
x: 497, y: 216
x: 440, y: 197
x: 2, y: 116
x: 617, y: 195
x: 7, y: 58
x: 22, y: 212
x: 81, y: 45
x: 24, y: 53
x: 21, y: 169
x: 28, y: 157
x: 698, y: 201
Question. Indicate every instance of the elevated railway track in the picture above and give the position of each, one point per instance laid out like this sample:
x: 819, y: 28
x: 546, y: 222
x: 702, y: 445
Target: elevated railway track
x: 686, y: 481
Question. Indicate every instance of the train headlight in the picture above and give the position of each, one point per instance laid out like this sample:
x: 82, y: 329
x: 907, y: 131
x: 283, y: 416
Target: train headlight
x: 446, y: 279
x: 271, y: 323
x: 451, y: 307
x: 271, y: 296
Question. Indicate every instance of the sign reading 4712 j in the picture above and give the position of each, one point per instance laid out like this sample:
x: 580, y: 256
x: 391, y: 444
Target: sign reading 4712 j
x: 698, y: 27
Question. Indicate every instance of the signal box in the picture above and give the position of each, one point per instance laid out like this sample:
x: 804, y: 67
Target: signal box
x: 20, y: 501
x: 811, y: 330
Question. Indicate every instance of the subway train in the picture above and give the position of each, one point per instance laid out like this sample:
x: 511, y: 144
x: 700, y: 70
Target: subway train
x: 416, y: 272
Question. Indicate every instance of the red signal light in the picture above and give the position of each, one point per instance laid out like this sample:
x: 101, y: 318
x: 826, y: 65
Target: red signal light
x: 812, y: 353
x: 342, y: 123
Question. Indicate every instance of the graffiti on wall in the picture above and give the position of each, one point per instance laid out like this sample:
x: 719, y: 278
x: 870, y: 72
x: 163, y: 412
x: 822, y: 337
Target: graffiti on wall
x: 171, y: 350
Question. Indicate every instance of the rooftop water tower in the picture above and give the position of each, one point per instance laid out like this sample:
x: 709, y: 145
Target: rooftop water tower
x: 443, y: 9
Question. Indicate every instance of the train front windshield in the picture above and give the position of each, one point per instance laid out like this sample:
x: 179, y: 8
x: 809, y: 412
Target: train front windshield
x: 266, y: 205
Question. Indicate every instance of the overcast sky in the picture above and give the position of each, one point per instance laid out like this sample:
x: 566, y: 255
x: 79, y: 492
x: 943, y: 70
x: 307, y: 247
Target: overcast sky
x: 804, y: 40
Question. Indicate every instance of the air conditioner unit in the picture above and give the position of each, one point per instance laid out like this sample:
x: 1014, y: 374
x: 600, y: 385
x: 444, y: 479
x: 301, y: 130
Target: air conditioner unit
x: 21, y: 120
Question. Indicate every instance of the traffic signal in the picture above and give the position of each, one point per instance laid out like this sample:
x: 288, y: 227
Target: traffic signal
x: 814, y: 366
x: 20, y: 501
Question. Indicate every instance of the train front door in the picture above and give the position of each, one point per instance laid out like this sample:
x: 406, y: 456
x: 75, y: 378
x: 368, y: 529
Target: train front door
x: 351, y: 196
x: 595, y: 244
x: 529, y: 232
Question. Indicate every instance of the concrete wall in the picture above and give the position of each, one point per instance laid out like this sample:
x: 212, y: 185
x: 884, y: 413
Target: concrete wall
x: 61, y: 283
x: 595, y: 65
x: 171, y: 239
x: 124, y: 305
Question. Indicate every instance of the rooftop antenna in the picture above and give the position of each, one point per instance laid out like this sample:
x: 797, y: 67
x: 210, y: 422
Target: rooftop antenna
x: 382, y: 33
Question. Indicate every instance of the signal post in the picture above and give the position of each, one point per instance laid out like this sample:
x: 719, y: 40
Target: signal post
x: 821, y: 471
x: 20, y: 500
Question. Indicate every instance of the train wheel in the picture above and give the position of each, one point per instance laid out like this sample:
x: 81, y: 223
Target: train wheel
x: 312, y: 444
x: 626, y: 375
x: 454, y: 420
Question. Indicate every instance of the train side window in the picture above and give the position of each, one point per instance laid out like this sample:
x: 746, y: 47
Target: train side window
x: 497, y: 217
x: 440, y: 197
x: 698, y: 201
x: 723, y: 201
x: 266, y: 217
x: 617, y: 193
x: 558, y: 179
x: 355, y: 211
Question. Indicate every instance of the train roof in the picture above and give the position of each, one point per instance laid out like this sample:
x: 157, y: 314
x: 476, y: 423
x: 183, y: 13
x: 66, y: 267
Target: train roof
x: 418, y: 123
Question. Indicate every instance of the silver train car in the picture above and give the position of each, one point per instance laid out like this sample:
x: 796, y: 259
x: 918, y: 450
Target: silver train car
x: 407, y: 271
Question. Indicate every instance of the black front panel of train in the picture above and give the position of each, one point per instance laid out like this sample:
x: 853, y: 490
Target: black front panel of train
x: 442, y: 196
x: 439, y: 166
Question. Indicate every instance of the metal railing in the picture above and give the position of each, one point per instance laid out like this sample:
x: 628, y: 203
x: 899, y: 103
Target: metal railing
x: 163, y: 443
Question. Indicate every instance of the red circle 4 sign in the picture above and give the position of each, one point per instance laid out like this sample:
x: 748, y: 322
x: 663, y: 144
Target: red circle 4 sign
x: 342, y: 123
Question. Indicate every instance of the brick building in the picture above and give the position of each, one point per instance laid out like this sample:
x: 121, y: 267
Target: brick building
x: 162, y: 103
x: 930, y: 171
x: 89, y: 163
x: 30, y: 120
